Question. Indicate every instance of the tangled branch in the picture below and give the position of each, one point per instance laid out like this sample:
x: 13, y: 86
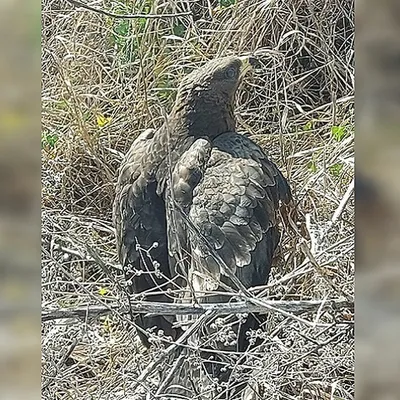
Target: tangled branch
x: 240, y: 307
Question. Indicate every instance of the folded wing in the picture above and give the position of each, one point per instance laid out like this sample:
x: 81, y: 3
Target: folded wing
x: 226, y: 224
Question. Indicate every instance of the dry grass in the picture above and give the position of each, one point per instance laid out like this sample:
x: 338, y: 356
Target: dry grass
x: 299, y: 108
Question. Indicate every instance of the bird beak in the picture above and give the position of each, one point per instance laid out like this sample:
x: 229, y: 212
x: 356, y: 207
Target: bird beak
x: 248, y: 63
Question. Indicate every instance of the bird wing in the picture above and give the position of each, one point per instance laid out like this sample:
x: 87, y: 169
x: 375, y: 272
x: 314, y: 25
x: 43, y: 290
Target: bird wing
x: 138, y: 212
x: 230, y: 214
x: 140, y: 220
x: 186, y: 175
x: 242, y: 147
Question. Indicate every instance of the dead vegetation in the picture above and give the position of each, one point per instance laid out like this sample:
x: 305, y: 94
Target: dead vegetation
x: 107, y: 79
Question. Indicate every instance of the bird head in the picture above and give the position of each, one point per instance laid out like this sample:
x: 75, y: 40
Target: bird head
x: 208, y: 93
x: 220, y: 76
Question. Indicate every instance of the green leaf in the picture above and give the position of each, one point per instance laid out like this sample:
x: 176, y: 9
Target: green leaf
x: 147, y: 7
x: 122, y: 28
x: 62, y: 105
x: 312, y: 166
x: 141, y: 24
x: 308, y: 126
x: 102, y: 120
x: 103, y: 291
x: 49, y: 140
x: 336, y: 169
x: 339, y: 132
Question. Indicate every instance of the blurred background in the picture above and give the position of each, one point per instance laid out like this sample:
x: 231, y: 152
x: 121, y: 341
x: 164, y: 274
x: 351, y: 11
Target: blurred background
x: 377, y: 193
x: 377, y: 199
x: 19, y: 199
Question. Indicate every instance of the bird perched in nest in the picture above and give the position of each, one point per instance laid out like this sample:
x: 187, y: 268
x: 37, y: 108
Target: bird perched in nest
x: 196, y: 203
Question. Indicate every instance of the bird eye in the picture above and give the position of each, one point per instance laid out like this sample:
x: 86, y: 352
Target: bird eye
x: 230, y: 72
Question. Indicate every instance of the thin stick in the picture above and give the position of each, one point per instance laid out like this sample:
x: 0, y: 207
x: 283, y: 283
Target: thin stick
x: 126, y: 16
x: 343, y: 203
x: 340, y: 208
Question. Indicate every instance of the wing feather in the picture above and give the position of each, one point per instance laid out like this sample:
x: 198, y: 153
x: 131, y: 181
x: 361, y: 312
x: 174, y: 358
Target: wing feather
x: 233, y: 205
x: 139, y: 219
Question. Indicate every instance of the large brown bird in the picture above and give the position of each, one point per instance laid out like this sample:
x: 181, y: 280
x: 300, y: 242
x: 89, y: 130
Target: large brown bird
x: 206, y: 195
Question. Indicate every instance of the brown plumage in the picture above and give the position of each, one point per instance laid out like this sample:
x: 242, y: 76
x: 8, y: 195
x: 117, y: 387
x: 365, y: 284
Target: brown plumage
x: 215, y: 221
x: 226, y: 195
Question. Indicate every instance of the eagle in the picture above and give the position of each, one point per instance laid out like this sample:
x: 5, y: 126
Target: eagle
x: 196, y: 202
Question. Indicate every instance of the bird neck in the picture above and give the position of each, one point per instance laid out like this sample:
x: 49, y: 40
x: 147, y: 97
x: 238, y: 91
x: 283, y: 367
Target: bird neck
x: 205, y: 119
x: 184, y: 126
x: 170, y: 142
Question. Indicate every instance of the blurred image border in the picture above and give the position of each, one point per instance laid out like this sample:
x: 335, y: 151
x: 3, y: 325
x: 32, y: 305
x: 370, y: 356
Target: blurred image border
x: 377, y: 194
x: 20, y: 170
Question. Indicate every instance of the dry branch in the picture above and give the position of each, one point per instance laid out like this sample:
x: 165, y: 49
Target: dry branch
x: 126, y: 16
x: 169, y: 350
x: 240, y: 307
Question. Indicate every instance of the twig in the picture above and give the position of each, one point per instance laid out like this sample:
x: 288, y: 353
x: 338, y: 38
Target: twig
x: 310, y: 232
x: 342, y: 205
x: 306, y: 251
x: 126, y: 16
x: 83, y: 256
x: 77, y: 312
x: 61, y: 362
x: 154, y: 308
x: 313, y: 350
x: 152, y: 366
x: 177, y: 364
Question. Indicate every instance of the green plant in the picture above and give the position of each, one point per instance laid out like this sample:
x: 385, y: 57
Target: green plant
x: 121, y: 32
x: 49, y: 140
x: 103, y: 291
x: 226, y: 3
x: 126, y: 33
x: 339, y: 132
x: 145, y: 9
x: 336, y: 169
x: 312, y: 166
x: 308, y: 126
x: 102, y: 121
